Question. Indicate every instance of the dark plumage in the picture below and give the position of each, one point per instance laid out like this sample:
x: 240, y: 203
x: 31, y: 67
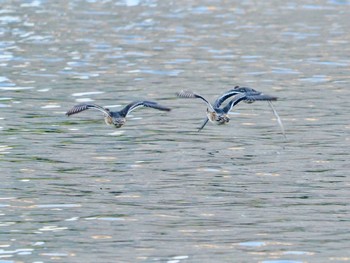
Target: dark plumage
x: 251, y: 95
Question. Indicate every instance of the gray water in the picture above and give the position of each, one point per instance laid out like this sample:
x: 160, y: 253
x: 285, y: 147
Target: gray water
x: 156, y: 190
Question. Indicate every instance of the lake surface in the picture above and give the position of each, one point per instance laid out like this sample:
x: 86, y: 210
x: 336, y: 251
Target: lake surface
x: 156, y: 190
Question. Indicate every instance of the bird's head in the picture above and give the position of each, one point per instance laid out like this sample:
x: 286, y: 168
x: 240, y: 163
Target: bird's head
x: 118, y: 122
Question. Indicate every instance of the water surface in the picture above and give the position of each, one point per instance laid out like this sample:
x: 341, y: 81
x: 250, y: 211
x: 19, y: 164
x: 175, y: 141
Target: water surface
x: 75, y: 190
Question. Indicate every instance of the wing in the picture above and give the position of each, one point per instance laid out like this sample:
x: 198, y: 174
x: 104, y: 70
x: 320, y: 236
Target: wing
x: 82, y: 107
x: 237, y: 99
x: 191, y: 95
x: 225, y: 96
x: 251, y: 95
x: 137, y: 104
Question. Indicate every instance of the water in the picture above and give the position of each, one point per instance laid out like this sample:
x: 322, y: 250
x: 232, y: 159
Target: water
x: 76, y: 190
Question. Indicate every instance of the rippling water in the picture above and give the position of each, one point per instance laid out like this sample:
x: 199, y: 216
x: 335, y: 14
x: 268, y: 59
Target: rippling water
x: 156, y: 190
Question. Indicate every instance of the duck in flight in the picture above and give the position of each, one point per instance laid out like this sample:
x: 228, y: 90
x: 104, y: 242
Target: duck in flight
x: 219, y: 115
x: 116, y: 118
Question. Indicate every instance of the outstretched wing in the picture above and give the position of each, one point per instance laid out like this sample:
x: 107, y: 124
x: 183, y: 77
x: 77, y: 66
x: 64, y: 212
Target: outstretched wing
x: 237, y: 99
x: 82, y: 107
x: 137, y: 104
x: 225, y: 96
x: 251, y: 95
x: 191, y: 95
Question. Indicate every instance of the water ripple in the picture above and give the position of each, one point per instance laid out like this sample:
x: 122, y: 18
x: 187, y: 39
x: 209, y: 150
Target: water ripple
x: 80, y: 94
x: 76, y: 190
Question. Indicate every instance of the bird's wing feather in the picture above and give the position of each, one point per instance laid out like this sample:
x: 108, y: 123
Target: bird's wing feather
x: 82, y: 107
x: 190, y: 95
x: 251, y: 95
x: 237, y: 98
x: 137, y: 104
x: 225, y: 96
x: 262, y: 97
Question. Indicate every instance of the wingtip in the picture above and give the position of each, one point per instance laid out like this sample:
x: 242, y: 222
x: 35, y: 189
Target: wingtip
x: 166, y: 108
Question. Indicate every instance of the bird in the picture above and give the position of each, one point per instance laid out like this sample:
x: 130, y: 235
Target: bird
x: 116, y: 118
x: 219, y: 115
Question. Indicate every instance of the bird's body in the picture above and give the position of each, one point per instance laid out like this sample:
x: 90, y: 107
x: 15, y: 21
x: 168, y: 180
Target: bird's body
x: 116, y: 118
x: 219, y: 115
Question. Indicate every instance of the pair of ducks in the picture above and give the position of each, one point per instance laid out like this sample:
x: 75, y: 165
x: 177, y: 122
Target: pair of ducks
x: 215, y: 113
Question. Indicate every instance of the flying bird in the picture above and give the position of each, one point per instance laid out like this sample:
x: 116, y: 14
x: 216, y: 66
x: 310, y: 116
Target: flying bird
x: 116, y: 118
x: 219, y: 115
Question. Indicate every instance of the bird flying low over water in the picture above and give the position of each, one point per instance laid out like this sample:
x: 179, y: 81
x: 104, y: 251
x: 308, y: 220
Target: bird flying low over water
x: 116, y: 118
x: 219, y: 115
